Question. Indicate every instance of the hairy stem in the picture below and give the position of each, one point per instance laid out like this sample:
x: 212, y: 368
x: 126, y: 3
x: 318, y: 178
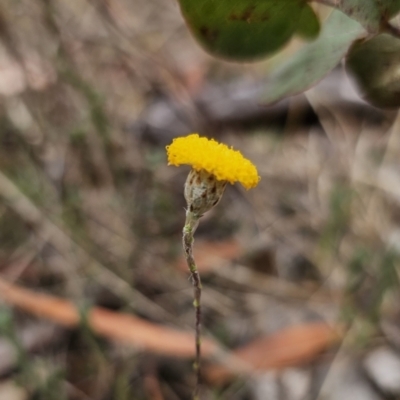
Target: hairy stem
x: 188, y: 239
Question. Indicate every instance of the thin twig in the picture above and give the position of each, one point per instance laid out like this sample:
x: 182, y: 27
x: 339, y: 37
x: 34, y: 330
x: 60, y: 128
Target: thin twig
x: 188, y: 239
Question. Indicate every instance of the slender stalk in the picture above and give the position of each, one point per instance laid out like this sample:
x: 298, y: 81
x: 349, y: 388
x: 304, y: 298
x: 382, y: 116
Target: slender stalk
x: 188, y: 238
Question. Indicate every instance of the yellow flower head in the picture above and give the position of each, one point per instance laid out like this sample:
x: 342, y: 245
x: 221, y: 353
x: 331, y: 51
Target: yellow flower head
x: 216, y: 158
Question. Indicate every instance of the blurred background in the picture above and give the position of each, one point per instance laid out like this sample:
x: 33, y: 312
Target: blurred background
x: 300, y: 274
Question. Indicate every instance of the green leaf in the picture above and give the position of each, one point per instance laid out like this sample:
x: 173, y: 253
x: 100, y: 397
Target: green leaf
x: 315, y: 60
x: 309, y: 26
x: 242, y: 30
x: 370, y: 13
x: 375, y: 65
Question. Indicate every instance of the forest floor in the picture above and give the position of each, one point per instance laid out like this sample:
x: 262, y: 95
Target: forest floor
x: 300, y: 274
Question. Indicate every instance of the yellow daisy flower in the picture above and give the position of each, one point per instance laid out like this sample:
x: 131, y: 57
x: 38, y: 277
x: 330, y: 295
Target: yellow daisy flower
x: 216, y: 158
x: 213, y: 166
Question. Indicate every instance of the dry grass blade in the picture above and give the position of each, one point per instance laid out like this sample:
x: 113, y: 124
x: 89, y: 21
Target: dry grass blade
x: 48, y: 230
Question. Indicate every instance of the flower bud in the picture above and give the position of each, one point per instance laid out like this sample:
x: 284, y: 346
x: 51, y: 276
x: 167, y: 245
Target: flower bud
x: 202, y: 191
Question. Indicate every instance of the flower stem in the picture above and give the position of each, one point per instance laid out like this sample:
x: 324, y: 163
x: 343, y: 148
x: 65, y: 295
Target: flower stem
x: 191, y: 223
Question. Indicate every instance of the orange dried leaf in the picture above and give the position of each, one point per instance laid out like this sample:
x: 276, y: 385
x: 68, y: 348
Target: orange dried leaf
x: 290, y: 347
x: 113, y: 325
